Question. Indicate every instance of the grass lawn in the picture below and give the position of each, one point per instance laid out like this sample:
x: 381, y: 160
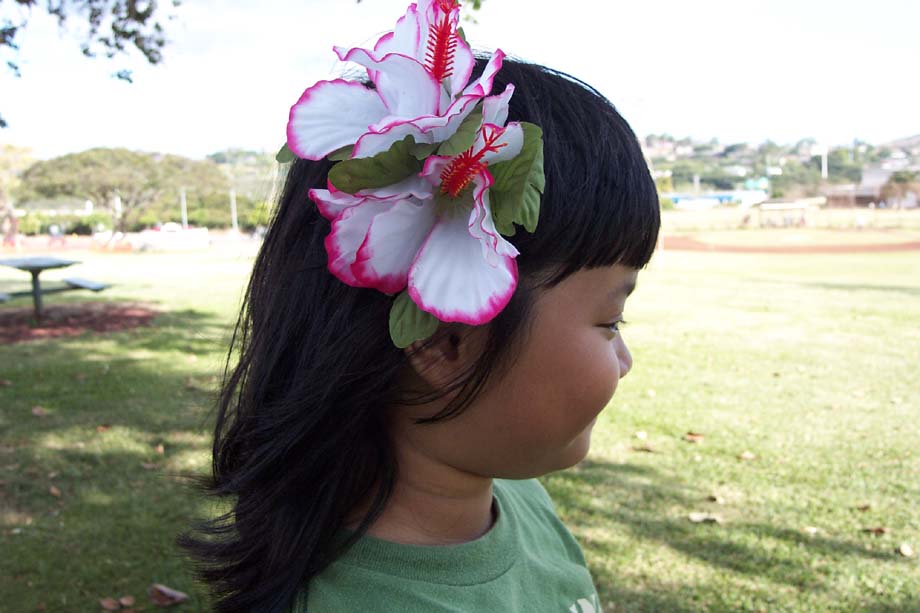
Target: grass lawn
x: 806, y: 362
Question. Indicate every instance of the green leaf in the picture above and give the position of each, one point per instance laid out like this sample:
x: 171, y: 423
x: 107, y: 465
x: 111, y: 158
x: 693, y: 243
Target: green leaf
x: 385, y: 168
x: 462, y: 36
x: 285, y: 155
x: 518, y: 184
x: 408, y: 323
x: 421, y: 151
x: 465, y: 136
x: 341, y: 154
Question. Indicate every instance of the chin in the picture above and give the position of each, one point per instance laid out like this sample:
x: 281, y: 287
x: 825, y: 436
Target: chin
x: 576, y: 451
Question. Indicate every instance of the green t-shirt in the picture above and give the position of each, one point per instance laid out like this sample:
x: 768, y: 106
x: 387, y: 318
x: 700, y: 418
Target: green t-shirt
x: 527, y: 562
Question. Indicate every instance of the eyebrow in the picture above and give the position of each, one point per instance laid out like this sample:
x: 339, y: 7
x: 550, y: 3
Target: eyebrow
x: 624, y: 290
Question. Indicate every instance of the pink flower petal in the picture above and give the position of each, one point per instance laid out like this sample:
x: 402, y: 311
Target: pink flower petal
x: 451, y: 279
x: 482, y: 226
x: 331, y: 115
x: 483, y: 85
x: 348, y: 232
x: 495, y: 108
x: 405, y: 86
x: 391, y: 244
x: 332, y: 203
x: 510, y: 142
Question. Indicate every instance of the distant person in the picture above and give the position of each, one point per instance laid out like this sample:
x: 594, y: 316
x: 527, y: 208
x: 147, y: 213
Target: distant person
x: 56, y: 236
x: 378, y: 468
x: 10, y: 228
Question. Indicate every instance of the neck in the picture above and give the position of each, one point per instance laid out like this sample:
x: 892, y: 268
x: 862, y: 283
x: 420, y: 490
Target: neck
x: 434, y: 503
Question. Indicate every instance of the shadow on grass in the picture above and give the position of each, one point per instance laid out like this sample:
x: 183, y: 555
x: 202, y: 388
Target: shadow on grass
x: 125, y: 421
x: 611, y: 503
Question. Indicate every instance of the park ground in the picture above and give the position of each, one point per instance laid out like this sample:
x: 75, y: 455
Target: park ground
x: 763, y: 454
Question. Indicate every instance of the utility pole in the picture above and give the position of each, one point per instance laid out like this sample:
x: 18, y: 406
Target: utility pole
x: 236, y: 227
x: 184, y: 208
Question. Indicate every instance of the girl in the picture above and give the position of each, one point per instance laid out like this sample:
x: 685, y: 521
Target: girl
x: 368, y: 477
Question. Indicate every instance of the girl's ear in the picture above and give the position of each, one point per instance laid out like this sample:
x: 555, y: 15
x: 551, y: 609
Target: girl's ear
x: 452, y: 349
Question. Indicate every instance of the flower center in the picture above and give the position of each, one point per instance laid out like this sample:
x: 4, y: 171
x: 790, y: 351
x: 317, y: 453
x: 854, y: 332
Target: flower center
x: 442, y: 43
x: 462, y: 169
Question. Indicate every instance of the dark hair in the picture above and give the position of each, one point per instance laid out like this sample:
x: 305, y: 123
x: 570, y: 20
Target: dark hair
x: 300, y: 439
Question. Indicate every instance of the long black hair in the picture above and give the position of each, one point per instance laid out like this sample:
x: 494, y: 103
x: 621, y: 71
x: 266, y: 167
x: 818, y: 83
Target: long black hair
x: 300, y: 440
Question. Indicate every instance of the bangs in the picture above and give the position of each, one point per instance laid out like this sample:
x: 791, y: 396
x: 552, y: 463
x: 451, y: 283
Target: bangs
x: 600, y: 206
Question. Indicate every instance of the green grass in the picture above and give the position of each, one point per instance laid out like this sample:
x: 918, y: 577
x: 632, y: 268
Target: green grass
x: 808, y: 362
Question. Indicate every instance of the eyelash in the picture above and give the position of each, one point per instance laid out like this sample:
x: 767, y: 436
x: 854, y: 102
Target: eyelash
x: 614, y: 326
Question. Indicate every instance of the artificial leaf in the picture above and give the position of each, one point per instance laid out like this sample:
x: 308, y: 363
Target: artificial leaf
x: 385, y: 168
x: 408, y: 323
x: 421, y: 151
x: 165, y: 596
x: 518, y: 183
x: 341, y: 154
x: 284, y: 155
x: 465, y: 136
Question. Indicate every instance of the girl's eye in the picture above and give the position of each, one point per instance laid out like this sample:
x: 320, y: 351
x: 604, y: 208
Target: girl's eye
x: 614, y: 326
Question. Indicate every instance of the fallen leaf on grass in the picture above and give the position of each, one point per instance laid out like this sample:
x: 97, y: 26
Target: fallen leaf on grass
x: 103, y: 427
x: 38, y: 411
x: 704, y: 518
x: 165, y: 596
x: 877, y: 530
x: 644, y: 448
x: 41, y: 607
x: 5, y: 383
x: 650, y: 393
x: 109, y: 604
x: 694, y: 437
x: 715, y: 498
x: 126, y: 601
x: 53, y: 474
x: 54, y: 491
x: 190, y: 384
x: 81, y: 377
x: 906, y: 550
x: 810, y: 530
x: 746, y: 455
x: 150, y: 465
x: 864, y: 507
x: 160, y: 449
x: 641, y: 435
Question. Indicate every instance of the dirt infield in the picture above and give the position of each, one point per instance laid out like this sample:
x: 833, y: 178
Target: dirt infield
x: 72, y: 320
x: 688, y: 243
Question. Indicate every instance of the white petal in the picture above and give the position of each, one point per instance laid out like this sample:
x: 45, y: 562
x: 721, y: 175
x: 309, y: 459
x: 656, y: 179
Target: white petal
x: 406, y: 87
x: 462, y: 67
x: 451, y: 279
x: 414, y: 187
x: 391, y: 244
x: 332, y: 203
x: 482, y: 226
x: 381, y: 137
x: 331, y: 115
x: 483, y: 86
x: 406, y: 38
x: 510, y: 142
x: 348, y: 232
x: 495, y: 108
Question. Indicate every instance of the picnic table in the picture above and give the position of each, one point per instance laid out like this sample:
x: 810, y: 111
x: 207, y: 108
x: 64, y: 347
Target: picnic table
x: 35, y: 266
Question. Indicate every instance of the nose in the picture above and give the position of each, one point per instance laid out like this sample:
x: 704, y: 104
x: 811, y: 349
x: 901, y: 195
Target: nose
x: 624, y: 356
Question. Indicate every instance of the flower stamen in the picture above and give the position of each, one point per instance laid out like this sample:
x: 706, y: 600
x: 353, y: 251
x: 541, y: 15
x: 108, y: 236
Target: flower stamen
x: 442, y: 43
x: 461, y: 170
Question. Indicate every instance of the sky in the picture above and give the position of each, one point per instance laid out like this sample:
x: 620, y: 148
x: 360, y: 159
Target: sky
x: 736, y: 70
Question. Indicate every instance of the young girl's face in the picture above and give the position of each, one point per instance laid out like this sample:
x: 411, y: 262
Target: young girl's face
x: 538, y: 417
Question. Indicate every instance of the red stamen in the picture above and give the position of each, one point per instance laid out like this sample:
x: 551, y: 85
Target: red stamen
x: 442, y: 43
x: 462, y: 169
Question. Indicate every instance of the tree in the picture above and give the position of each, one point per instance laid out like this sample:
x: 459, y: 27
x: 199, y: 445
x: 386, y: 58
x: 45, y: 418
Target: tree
x: 138, y: 179
x: 114, y: 26
x: 13, y: 161
x: 900, y: 184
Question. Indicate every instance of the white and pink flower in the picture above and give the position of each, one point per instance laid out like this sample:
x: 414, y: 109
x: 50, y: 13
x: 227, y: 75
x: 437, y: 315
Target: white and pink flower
x: 432, y: 234
x: 420, y: 72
